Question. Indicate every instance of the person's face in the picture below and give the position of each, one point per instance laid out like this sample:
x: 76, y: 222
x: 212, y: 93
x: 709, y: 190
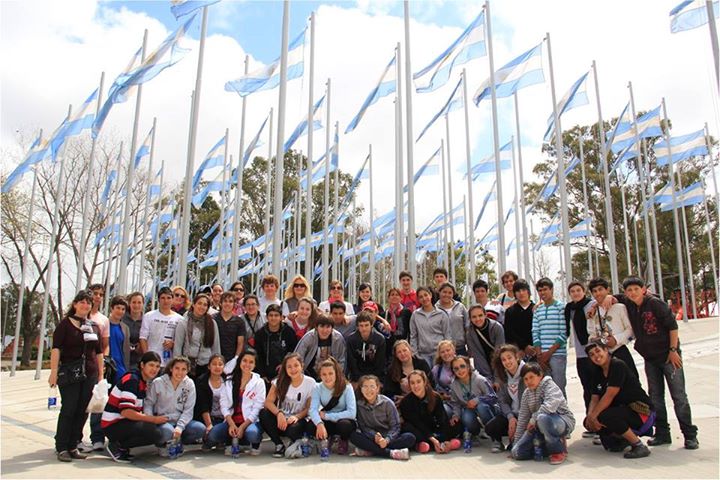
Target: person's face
x: 98, y: 294
x: 532, y: 380
x: 365, y: 294
x: 336, y: 291
x: 481, y: 295
x: 274, y: 319
x: 179, y: 371
x: 522, y: 296
x: 577, y: 293
x: 293, y: 368
x: 247, y: 363
x: 327, y: 376
x: 424, y: 298
x: 477, y: 317
x: 446, y: 295
x: 180, y: 298
x: 509, y: 361
x: 599, y: 356
x: 216, y: 366
x: 304, y: 310
x: 270, y: 290
x: 239, y: 292
x: 403, y: 353
x: 508, y: 283
x: 406, y: 283
x: 417, y: 385
x: 599, y: 293
x: 447, y: 353
x: 338, y: 316
x: 200, y: 307
x: 251, y: 307
x: 439, y: 279
x: 217, y: 292
x: 117, y: 312
x: 150, y: 370
x: 369, y: 390
x: 299, y: 289
x: 228, y: 304
x: 324, y: 331
x: 165, y: 301
x: 82, y: 307
x: 137, y: 304
x: 460, y: 369
x: 635, y: 293
x: 365, y: 328
x: 545, y: 293
x: 394, y: 298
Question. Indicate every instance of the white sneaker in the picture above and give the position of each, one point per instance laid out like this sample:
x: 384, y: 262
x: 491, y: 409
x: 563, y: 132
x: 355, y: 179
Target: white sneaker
x: 163, y: 452
x: 294, y: 450
x: 98, y: 446
x: 85, y: 447
x: 400, y: 454
x: 254, y: 452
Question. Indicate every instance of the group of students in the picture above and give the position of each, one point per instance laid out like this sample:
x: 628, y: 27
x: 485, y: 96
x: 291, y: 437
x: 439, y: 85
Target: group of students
x: 225, y: 368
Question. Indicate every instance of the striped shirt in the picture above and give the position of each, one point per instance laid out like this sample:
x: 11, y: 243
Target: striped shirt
x: 128, y: 393
x: 548, y: 327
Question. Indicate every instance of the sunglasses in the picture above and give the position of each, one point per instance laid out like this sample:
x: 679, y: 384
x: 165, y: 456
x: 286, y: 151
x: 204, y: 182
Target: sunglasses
x: 238, y: 289
x: 336, y: 288
x: 459, y: 367
x: 179, y: 295
x: 298, y: 285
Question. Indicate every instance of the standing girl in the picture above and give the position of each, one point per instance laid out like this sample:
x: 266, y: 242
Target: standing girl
x: 396, y: 323
x: 197, y: 336
x: 507, y: 365
x: 365, y: 295
x: 483, y: 336
x: 428, y: 326
x: 457, y: 315
x: 133, y: 319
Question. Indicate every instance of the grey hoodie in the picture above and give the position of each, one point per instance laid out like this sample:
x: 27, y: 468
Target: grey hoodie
x: 475, y: 349
x: 459, y: 321
x: 193, y: 346
x: 546, y: 398
x: 480, y: 390
x: 307, y: 347
x: 381, y: 416
x: 175, y: 403
x: 427, y: 329
x: 504, y: 397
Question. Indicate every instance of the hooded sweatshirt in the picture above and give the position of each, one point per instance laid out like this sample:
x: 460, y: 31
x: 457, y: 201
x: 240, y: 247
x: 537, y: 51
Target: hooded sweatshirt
x: 381, y: 416
x: 479, y: 389
x: 175, y: 403
x: 458, y: 317
x: 252, y: 401
x: 547, y: 398
x: 272, y: 347
x: 366, y: 357
x: 427, y: 329
x: 495, y: 334
x: 510, y: 393
x: 190, y: 339
x: 307, y: 347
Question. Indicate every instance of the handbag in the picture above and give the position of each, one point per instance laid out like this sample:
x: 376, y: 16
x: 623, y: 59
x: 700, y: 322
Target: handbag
x: 71, y: 372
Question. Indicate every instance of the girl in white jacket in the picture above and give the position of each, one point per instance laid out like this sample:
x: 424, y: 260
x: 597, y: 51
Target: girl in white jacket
x: 242, y: 398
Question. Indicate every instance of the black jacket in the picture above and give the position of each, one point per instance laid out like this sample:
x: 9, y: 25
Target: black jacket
x: 651, y: 322
x: 366, y: 357
x: 271, y: 348
x: 414, y: 411
x: 392, y: 388
x: 203, y: 398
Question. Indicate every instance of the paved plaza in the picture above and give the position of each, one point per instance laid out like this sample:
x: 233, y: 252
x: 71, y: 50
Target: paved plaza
x: 28, y: 427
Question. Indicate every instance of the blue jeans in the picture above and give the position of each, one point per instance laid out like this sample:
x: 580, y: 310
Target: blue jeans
x: 552, y: 428
x: 558, y: 366
x: 219, y: 434
x: 657, y: 374
x: 193, y: 433
x: 96, y: 431
x: 470, y: 416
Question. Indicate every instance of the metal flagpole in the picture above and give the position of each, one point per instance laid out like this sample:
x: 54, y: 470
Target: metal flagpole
x: 713, y: 40
x: 151, y: 177
x: 54, y: 233
x: 121, y: 285
x: 336, y: 207
x: 626, y: 231
x: 470, y: 217
x: 637, y: 246
x: 86, y: 201
x: 712, y: 171
x: 676, y: 222
x: 308, y: 194
x: 268, y: 197
x: 111, y: 244
x: 326, y: 205
x: 400, y: 213
x: 526, y: 241
x: 353, y: 257
x: 233, y: 271
x: 156, y: 238
x: 373, y: 242
x: 586, y: 207
x: 609, y: 222
x: 534, y: 262
x: 410, y: 146
x: 450, y: 200
x: 223, y: 208
x: 185, y: 229
x: 653, y: 223
x: 562, y: 184
x: 518, y: 257
x: 691, y: 277
x: 710, y: 242
x: 445, y: 208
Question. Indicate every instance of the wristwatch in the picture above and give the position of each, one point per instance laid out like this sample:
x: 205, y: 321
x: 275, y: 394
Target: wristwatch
x: 673, y: 349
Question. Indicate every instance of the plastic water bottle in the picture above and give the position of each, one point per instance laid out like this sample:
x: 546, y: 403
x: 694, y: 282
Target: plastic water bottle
x: 172, y: 449
x: 305, y: 446
x: 467, y: 441
x: 324, y: 450
x: 52, y: 398
x: 235, y: 448
x: 167, y: 354
x: 537, y: 448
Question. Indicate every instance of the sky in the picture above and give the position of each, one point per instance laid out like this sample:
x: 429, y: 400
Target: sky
x: 53, y: 53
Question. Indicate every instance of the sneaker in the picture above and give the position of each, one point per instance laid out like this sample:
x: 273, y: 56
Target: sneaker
x: 359, y: 452
x: 228, y: 451
x: 76, y: 455
x: 497, y: 447
x: 400, y: 454
x: 453, y: 444
x: 118, y: 454
x: 84, y: 447
x: 588, y: 434
x: 422, y: 447
x: 98, y: 446
x: 206, y: 447
x: 342, y: 447
x: 254, y: 452
x: 483, y: 436
x: 692, y: 443
x: 163, y: 452
x: 596, y: 440
x: 64, y: 456
x: 557, y: 458
x: 660, y: 440
x: 294, y: 450
x: 637, y: 451
x: 279, y: 451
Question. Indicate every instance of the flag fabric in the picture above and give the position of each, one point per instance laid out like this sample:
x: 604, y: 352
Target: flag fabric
x: 167, y: 54
x: 180, y: 8
x: 647, y: 126
x: 80, y: 120
x: 254, y: 142
x: 356, y: 181
x: 302, y: 127
x: 623, y: 124
x: 689, y: 196
x: 268, y: 77
x: 144, y: 149
x: 455, y: 102
x: 521, y: 72
x: 581, y: 229
x: 491, y: 195
x: 682, y: 147
x: 385, y: 86
x: 551, y: 185
x: 691, y: 14
x: 37, y: 152
x: 468, y: 46
x: 112, y: 175
x: 628, y: 154
x: 575, y: 97
x: 214, y: 185
x: 214, y: 158
x: 487, y: 164
x: 426, y: 169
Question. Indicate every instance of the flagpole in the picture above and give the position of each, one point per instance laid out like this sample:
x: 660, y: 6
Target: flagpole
x: 324, y: 277
x: 54, y: 233
x: 112, y: 243
x: 562, y: 184
x: 691, y: 277
x: 353, y: 257
x: 412, y: 265
x: 147, y: 207
x: 534, y: 261
x: 156, y: 239
x: 710, y: 242
x: 708, y: 143
x: 445, y: 209
x: 643, y: 186
x: 653, y: 223
x: 469, y: 219
x: 636, y: 244
x: 233, y: 271
x: 220, y: 271
x: 676, y: 222
x: 518, y: 256
x: 308, y: 194
x: 268, y: 196
x: 713, y: 40
x: 450, y: 199
x: 586, y: 207
x: 371, y: 254
x: 626, y: 231
x: 336, y: 235
x: 400, y: 213
x: 609, y: 222
x: 526, y: 242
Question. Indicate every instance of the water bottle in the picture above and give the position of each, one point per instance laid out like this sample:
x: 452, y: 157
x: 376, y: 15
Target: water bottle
x: 172, y: 449
x: 537, y: 448
x: 167, y: 354
x: 235, y: 448
x: 467, y: 441
x: 52, y: 398
x: 324, y: 450
x: 305, y: 446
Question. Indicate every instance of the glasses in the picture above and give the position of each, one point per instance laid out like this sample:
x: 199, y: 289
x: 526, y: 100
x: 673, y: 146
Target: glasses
x: 369, y: 386
x: 459, y: 367
x: 179, y: 295
x: 251, y: 304
x: 238, y: 289
x: 298, y: 285
x: 337, y: 287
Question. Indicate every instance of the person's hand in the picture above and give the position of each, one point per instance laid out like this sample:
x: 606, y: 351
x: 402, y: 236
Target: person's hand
x: 208, y: 428
x: 159, y: 419
x: 512, y: 426
x: 439, y: 448
x: 241, y: 430
x: 609, y: 301
x: 52, y: 379
x: 292, y: 419
x: 530, y: 351
x: 168, y: 344
x: 381, y: 441
x: 321, y: 432
x: 675, y: 360
x: 176, y: 433
x: 282, y: 421
x: 454, y: 420
x: 472, y: 403
x: 322, y: 415
x: 544, y: 357
x: 292, y: 315
x: 233, y: 431
x: 530, y: 427
x: 444, y: 396
x: 611, y: 342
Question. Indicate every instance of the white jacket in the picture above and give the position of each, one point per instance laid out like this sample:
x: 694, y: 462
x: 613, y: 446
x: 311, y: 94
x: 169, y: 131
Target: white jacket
x: 616, y: 324
x: 252, y: 401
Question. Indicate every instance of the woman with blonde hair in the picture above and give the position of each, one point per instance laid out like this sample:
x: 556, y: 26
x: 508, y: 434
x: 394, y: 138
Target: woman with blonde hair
x: 181, y: 299
x: 297, y: 289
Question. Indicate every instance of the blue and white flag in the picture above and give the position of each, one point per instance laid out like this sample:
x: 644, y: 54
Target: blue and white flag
x: 468, y: 46
x: 681, y: 147
x: 214, y: 158
x: 581, y: 229
x: 302, y: 127
x: 427, y: 168
x: 112, y: 175
x: 628, y: 154
x: 575, y: 97
x: 385, y: 86
x: 623, y: 124
x: 37, y: 152
x: 268, y: 77
x: 353, y: 185
x: 180, y: 8
x: 691, y: 14
x: 491, y: 195
x: 214, y: 185
x: 455, y: 102
x: 144, y: 149
x: 689, y: 196
x: 80, y: 120
x: 521, y: 72
x: 167, y: 54
x: 487, y: 164
x: 551, y: 185
x: 647, y: 126
x: 254, y: 142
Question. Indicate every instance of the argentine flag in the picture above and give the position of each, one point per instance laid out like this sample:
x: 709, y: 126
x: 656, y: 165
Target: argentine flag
x: 82, y: 119
x: 180, y: 8
x: 682, y: 148
x: 386, y: 85
x: 491, y: 195
x: 37, y: 152
x: 690, y: 14
x: 254, y: 143
x: 455, y: 102
x: 214, y: 158
x: 487, y: 164
x: 521, y: 72
x: 688, y: 197
x: 551, y: 185
x: 581, y: 229
x: 468, y: 46
x: 144, y: 149
x: 575, y: 97
x: 426, y: 169
x: 356, y: 181
x: 647, y: 126
x: 302, y: 128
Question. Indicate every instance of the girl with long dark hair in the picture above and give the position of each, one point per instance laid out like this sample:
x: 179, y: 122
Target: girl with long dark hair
x: 197, y: 336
